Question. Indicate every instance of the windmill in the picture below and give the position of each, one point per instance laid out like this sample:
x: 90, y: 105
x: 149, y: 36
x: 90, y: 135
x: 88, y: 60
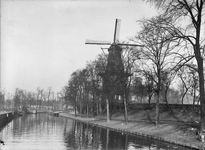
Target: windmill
x: 114, y: 75
x: 115, y: 68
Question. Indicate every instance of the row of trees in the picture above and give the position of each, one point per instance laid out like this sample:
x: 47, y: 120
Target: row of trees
x: 40, y: 99
x: 83, y: 90
x: 2, y: 100
x: 173, y: 51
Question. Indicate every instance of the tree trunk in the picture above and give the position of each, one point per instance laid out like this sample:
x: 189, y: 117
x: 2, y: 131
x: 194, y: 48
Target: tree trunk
x: 97, y: 105
x: 80, y: 108
x: 158, y: 96
x: 93, y: 104
x: 87, y: 110
x: 157, y: 110
x: 149, y: 99
x: 194, y: 97
x: 202, y: 96
x: 199, y: 59
x: 111, y: 104
x: 108, y: 109
x: 75, y: 106
x: 100, y: 104
x: 126, y: 117
x: 184, y: 94
x: 165, y: 98
x: 125, y: 107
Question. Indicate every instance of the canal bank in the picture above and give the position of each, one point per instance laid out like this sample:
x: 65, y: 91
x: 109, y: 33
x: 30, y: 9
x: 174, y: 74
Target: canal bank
x: 5, y: 118
x: 168, y: 131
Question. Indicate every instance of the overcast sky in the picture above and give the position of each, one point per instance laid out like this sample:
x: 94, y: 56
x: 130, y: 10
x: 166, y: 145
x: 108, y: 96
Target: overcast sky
x: 43, y: 42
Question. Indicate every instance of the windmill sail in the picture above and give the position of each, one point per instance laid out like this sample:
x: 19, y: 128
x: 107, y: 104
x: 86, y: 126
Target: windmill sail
x: 117, y: 31
x: 127, y: 44
x: 116, y: 38
x: 97, y: 42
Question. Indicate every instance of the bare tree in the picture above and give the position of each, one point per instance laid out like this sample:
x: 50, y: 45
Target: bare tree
x: 190, y: 11
x: 157, y: 56
x: 17, y: 99
x: 184, y: 77
x: 189, y: 81
x: 100, y: 67
x: 49, y: 90
x: 129, y: 56
x: 93, y: 84
x: 39, y: 96
x: 2, y: 99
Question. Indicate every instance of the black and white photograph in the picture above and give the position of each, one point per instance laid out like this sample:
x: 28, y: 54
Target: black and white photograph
x: 102, y: 74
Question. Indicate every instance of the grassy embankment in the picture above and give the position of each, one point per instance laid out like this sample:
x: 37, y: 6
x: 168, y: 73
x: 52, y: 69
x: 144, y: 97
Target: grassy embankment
x: 178, y: 127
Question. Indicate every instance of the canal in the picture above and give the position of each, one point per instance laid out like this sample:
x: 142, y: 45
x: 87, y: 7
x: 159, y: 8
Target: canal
x: 45, y: 132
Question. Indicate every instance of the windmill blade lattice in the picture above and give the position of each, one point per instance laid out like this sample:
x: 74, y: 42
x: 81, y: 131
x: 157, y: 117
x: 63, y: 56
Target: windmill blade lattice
x: 98, y: 42
x: 117, y: 31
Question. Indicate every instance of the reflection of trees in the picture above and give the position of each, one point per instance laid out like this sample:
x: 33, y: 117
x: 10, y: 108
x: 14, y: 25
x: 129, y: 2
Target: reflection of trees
x: 86, y: 136
x: 37, y: 124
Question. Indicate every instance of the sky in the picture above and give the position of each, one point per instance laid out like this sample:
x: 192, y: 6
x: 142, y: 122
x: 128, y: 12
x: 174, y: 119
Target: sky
x: 43, y: 42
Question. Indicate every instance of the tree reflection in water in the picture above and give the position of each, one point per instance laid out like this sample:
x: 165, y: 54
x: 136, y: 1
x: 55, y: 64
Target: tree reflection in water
x: 86, y: 136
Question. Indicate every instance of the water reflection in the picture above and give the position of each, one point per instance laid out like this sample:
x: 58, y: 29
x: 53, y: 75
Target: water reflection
x: 85, y: 136
x: 46, y: 132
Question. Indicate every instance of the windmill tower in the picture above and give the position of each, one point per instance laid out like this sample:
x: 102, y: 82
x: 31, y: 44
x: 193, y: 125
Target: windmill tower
x: 114, y: 77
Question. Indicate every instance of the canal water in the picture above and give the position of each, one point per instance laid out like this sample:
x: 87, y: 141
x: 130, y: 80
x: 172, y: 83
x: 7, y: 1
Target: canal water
x: 45, y: 132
